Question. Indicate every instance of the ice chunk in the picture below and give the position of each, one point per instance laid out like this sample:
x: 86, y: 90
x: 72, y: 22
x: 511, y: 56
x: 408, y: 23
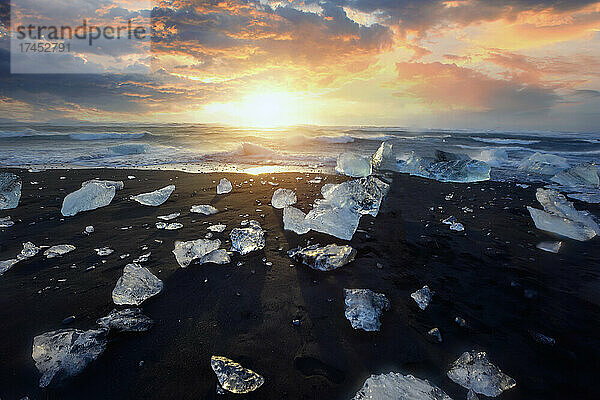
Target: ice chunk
x: 5, y: 222
x: 447, y: 167
x: 294, y: 220
x: 364, y: 307
x: 435, y: 334
x: 545, y: 164
x: 10, y: 190
x: 136, y: 285
x: 352, y: 164
x: 551, y: 247
x: 473, y: 370
x: 59, y: 250
x: 363, y: 195
x: 585, y: 175
x: 170, y: 227
x: 543, y: 339
x: 395, y: 386
x: 219, y: 256
x: 422, y: 297
x: 155, y: 198
x: 384, y: 159
x: 217, y: 228
x: 7, y: 264
x: 561, y: 217
x: 233, y: 377
x: 457, y: 226
x: 245, y: 240
x: 168, y: 217
x: 340, y: 222
x: 118, y: 185
x: 283, y: 198
x: 89, y: 229
x: 325, y: 258
x: 327, y: 187
x: 224, y: 186
x: 204, y: 209
x: 127, y: 320
x: 91, y: 196
x: 64, y: 353
x: 104, y: 251
x: 29, y: 250
x: 186, y: 252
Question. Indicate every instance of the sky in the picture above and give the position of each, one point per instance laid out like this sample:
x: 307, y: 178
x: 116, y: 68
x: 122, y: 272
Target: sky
x: 472, y: 64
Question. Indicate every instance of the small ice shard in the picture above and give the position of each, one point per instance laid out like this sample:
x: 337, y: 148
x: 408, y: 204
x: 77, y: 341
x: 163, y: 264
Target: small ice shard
x: 364, y: 307
x: 118, y: 185
x: 245, y: 240
x: 168, y: 217
x: 422, y: 297
x: 457, y: 226
x: 472, y: 370
x: 217, y: 228
x: 561, y: 217
x: 545, y: 164
x: 204, y: 209
x: 522, y: 185
x: 5, y: 222
x: 543, y: 339
x: 294, y: 220
x: 224, y: 186
x: 66, y: 352
x: 186, y: 252
x: 136, y: 285
x: 91, y: 196
x: 155, y: 198
x: 283, y: 198
x: 233, y: 377
x: 384, y: 159
x: 585, y: 175
x: 551, y: 247
x: 89, y: 229
x: 169, y: 227
x: 435, y: 334
x: 10, y: 190
x: 326, y: 258
x: 450, y: 220
x: 59, y: 250
x: 104, y: 251
x: 352, y: 164
x: 29, y: 250
x: 141, y: 259
x: 127, y: 320
x: 395, y: 386
x: 446, y: 167
x: 219, y: 256
x: 471, y: 395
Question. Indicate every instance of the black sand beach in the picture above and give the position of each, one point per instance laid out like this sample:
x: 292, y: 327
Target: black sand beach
x: 245, y: 312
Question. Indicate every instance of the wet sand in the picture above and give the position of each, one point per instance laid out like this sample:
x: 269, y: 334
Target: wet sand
x: 245, y: 312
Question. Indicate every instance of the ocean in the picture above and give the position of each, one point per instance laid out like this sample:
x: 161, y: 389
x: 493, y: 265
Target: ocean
x: 210, y: 148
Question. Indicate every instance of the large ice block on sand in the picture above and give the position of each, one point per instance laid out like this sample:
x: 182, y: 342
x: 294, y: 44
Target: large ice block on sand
x: 233, y: 377
x: 446, y: 167
x: 561, y: 217
x: 92, y: 195
x: 473, y: 370
x: 294, y: 220
x: 364, y: 307
x: 283, y: 198
x: 224, y: 186
x: 395, y: 386
x: 64, y: 353
x: 384, y: 159
x: 186, y: 252
x: 340, y: 222
x: 545, y: 164
x: 10, y: 190
x: 127, y: 320
x: 205, y: 209
x: 363, y: 196
x: 584, y: 175
x: 352, y: 164
x: 325, y: 258
x: 248, y: 239
x: 135, y: 286
x: 155, y: 198
x: 118, y: 185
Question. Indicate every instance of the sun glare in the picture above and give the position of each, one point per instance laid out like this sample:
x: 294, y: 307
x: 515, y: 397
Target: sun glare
x: 261, y: 109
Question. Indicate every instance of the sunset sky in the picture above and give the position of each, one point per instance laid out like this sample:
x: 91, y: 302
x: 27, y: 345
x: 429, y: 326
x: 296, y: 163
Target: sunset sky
x: 490, y: 64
